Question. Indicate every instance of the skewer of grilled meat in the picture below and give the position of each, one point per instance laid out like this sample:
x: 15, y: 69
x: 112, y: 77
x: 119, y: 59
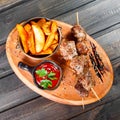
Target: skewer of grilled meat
x: 80, y: 64
x: 77, y: 54
x: 84, y: 82
x: 84, y: 78
x: 78, y: 33
x: 82, y: 49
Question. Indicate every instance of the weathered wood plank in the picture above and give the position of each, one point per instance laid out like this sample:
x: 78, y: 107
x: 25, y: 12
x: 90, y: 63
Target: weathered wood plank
x: 45, y: 109
x: 109, y: 111
x: 89, y: 115
x: 5, y: 68
x: 9, y: 18
x: 13, y: 92
x: 17, y: 93
x: 33, y: 8
x: 51, y: 107
x: 5, y: 4
x: 96, y: 16
x: 93, y: 16
x: 109, y: 41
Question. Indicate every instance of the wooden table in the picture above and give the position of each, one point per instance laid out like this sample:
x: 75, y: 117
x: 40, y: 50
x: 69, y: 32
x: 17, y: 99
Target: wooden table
x: 100, y: 19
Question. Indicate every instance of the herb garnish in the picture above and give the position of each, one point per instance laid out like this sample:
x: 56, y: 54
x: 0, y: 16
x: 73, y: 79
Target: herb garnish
x: 41, y: 72
x: 51, y: 76
x: 46, y: 83
x: 47, y: 77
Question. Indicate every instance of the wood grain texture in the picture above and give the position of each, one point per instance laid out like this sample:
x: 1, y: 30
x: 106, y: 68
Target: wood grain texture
x: 69, y: 19
x: 96, y: 16
x: 45, y: 109
x: 114, y: 90
x: 65, y: 92
x: 33, y: 8
x: 116, y: 66
x: 18, y: 13
x: 111, y: 43
x: 100, y: 18
x: 13, y: 92
x: 7, y: 2
x: 109, y: 111
x: 5, y: 68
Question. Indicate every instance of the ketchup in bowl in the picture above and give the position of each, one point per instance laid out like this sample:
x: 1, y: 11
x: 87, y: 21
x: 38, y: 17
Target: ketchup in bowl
x: 47, y: 75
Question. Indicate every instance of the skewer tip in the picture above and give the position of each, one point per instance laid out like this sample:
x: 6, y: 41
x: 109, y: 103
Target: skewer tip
x: 95, y: 94
x: 77, y: 18
x: 83, y: 106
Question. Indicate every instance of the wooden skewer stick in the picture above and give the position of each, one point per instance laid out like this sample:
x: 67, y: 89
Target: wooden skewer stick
x: 95, y: 94
x: 83, y: 106
x: 77, y: 20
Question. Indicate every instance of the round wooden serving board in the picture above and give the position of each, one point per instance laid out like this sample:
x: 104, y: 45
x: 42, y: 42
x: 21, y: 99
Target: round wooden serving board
x: 65, y: 93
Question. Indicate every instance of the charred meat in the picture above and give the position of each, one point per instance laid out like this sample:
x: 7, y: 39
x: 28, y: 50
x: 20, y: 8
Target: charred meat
x: 98, y: 60
x: 81, y: 63
x: 87, y: 81
x: 68, y: 50
x: 80, y: 58
x: 78, y: 63
x: 78, y: 33
x: 81, y: 48
x: 83, y: 92
x: 84, y: 84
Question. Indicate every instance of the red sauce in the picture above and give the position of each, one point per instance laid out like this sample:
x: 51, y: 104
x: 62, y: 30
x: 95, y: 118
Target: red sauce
x: 49, y: 67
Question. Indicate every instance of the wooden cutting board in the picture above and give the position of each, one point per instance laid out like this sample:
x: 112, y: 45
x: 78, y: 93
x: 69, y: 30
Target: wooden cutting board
x: 65, y: 93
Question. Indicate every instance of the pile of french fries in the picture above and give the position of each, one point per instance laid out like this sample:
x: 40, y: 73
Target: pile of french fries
x: 39, y: 38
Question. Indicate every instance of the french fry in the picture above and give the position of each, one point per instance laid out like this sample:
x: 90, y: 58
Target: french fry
x: 27, y: 27
x: 54, y: 42
x: 54, y: 46
x: 23, y: 35
x: 39, y: 38
x: 33, y: 23
x: 47, y: 28
x: 56, y: 36
x: 31, y: 41
x: 41, y: 22
x: 49, y: 41
x: 46, y: 52
x: 54, y: 27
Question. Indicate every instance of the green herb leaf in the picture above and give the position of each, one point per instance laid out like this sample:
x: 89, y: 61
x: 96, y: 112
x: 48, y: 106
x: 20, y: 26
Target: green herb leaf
x: 46, y: 83
x: 51, y: 76
x: 41, y: 72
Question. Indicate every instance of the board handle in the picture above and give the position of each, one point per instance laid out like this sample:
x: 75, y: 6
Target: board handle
x: 26, y: 67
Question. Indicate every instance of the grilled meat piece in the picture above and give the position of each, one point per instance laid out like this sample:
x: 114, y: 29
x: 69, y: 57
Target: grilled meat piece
x: 87, y: 81
x: 81, y: 48
x: 78, y: 33
x: 78, y: 63
x: 81, y: 89
x: 84, y: 84
x: 68, y: 50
